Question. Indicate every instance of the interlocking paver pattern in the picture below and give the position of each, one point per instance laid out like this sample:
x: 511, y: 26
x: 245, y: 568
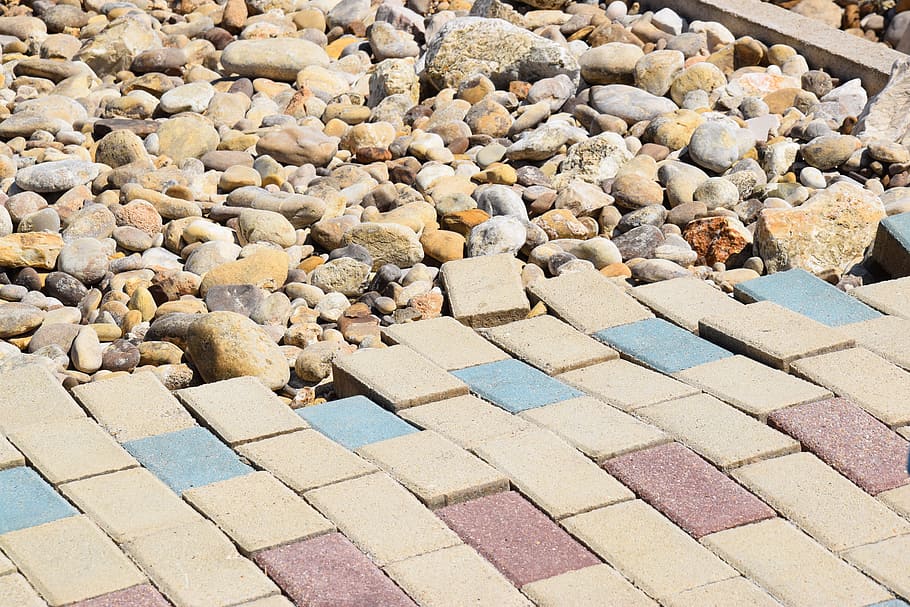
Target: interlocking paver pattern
x: 515, y: 386
x: 355, y: 422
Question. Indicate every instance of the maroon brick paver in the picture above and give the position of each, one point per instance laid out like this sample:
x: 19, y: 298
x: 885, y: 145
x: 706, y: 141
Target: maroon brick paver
x: 849, y: 440
x: 520, y: 541
x: 688, y: 490
x: 329, y: 571
x: 137, y: 596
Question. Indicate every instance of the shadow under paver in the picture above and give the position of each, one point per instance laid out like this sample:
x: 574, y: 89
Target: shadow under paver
x: 891, y: 249
x: 29, y: 501
x: 626, y: 385
x: 514, y: 385
x: 594, y: 586
x: 355, y: 421
x: 806, y: 294
x: 889, y: 296
x: 684, y: 301
x: 143, y: 595
x: 445, y: 342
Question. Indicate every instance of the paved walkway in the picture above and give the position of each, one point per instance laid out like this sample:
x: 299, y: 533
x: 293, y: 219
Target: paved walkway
x: 665, y: 446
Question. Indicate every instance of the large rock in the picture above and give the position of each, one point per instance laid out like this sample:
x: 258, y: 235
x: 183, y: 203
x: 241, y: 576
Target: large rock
x: 187, y: 136
x: 629, y: 103
x: 298, y: 145
x: 118, y: 44
x: 887, y: 115
x: 57, y: 176
x: 17, y: 318
x: 275, y: 58
x: 38, y: 250
x: 267, y: 269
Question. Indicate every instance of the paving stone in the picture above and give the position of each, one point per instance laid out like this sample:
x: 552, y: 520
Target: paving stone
x: 6, y: 566
x: 751, y: 386
x: 772, y: 334
x: 865, y: 378
x: 549, y: 344
x: 395, y: 377
x: 718, y: 432
x: 849, y: 440
x: 485, y: 291
x: 46, y: 398
x: 257, y: 511
x: 130, y: 503
x: 733, y: 592
x: 382, y: 518
x: 305, y: 460
x: 823, y: 503
x: 453, y: 577
x: 656, y: 555
x: 887, y: 336
x: 687, y: 490
x: 626, y: 385
x: 28, y: 500
x: 660, y: 345
x: 594, y: 586
x: 552, y: 474
x: 9, y: 456
x: 792, y: 567
x: 606, y: 305
x: 138, y: 596
x: 69, y: 450
x: 466, y: 420
x: 518, y: 539
x: 888, y: 296
x: 240, y: 410
x: 684, y: 301
x: 891, y: 603
x: 514, y: 385
x: 70, y: 560
x: 897, y: 499
x: 445, y: 342
x: 433, y: 468
x: 892, y: 241
x: 595, y: 428
x: 133, y: 406
x: 15, y: 591
x: 329, y: 570
x: 355, y: 421
x: 887, y: 561
x: 805, y: 294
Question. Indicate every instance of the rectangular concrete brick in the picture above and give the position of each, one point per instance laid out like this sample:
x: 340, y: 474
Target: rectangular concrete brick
x: 734, y: 591
x: 445, y: 342
x: 626, y: 385
x: 515, y: 386
x: 878, y: 388
x: 382, y: 518
x: 588, y: 301
x: 897, y: 499
x: 656, y: 555
x: 355, y: 421
x: 892, y: 245
x: 887, y: 336
x: 792, y: 567
x: 485, y: 291
x: 823, y: 503
x: 29, y: 501
x: 720, y: 433
x: 549, y: 344
x: 887, y: 561
x: 46, y: 398
x: 552, y: 474
x: 889, y: 296
x: 9, y: 457
x: 395, y: 377
x: 17, y: 592
x: 595, y: 586
x: 685, y: 301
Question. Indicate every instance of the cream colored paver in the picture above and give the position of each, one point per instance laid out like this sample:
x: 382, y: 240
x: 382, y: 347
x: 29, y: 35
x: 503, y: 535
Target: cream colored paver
x: 6, y: 566
x: 898, y: 499
x: 735, y: 592
x: 31, y: 395
x: 889, y: 296
x: 595, y: 586
x: 887, y: 561
x: 382, y: 518
x: 724, y: 435
x: 9, y: 457
x: 659, y: 557
x: 825, y: 504
x: 257, y: 511
x: 904, y: 431
x: 887, y: 336
x: 305, y: 460
x: 445, y: 342
x: 684, y: 301
x: 485, y: 291
x: 454, y: 577
x: 15, y: 591
x: 626, y: 385
x: 70, y: 560
x: 796, y: 570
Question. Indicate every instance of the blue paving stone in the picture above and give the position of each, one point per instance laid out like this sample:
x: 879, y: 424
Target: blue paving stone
x: 26, y: 500
x: 355, y: 422
x: 515, y: 386
x: 891, y: 603
x: 808, y: 295
x: 187, y: 458
x: 661, y: 345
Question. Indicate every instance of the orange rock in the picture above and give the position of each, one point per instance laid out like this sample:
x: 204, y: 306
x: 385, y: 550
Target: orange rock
x: 463, y: 221
x: 614, y: 270
x: 715, y: 239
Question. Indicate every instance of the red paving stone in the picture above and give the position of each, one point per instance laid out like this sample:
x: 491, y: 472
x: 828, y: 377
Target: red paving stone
x: 137, y: 596
x: 849, y: 440
x: 520, y: 541
x: 688, y: 490
x: 329, y: 571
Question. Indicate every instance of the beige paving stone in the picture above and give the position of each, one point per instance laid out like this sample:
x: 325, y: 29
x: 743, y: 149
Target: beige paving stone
x: 6, y: 566
x: 757, y: 389
x: 382, y: 518
x: 897, y: 499
x: 433, y: 468
x: 70, y: 560
x: 196, y: 565
x: 133, y: 406
x: 889, y: 296
x: 796, y: 570
x: 685, y: 301
x: 396, y: 377
x: 240, y: 410
x: 735, y: 592
x: 552, y: 474
x: 130, y: 503
x: 70, y: 450
x: 595, y: 586
x: 904, y: 431
x: 771, y: 334
x: 725, y: 436
x: 454, y: 577
x: 485, y: 291
x: 31, y: 395
x: 595, y: 428
x: 887, y: 561
x: 15, y: 591
x: 887, y: 336
x: 9, y: 456
x: 626, y: 385
x: 305, y: 460
x: 257, y: 511
x: 825, y: 504
x: 869, y: 380
x: 445, y: 342
x: 659, y: 557
x: 466, y: 420
x: 605, y: 304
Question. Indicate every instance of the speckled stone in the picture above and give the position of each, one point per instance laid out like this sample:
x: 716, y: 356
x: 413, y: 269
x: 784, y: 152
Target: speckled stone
x: 137, y: 596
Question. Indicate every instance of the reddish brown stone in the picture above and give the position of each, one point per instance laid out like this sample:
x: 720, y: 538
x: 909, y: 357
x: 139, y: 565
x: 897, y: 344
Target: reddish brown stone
x: 137, y: 596
x: 366, y: 155
x: 715, y: 239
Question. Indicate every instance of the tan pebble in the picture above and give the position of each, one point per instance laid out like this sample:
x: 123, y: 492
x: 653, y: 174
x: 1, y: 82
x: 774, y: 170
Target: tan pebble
x: 539, y: 309
x: 614, y: 270
x: 107, y: 332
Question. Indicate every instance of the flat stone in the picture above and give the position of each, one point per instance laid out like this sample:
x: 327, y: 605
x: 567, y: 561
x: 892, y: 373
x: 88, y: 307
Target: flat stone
x: 46, y: 398
x: 888, y: 296
x: 355, y: 421
x: 515, y: 386
x: 625, y: 385
x: 887, y: 336
x: 684, y: 301
x: 29, y: 501
x: 445, y: 342
x: 143, y: 595
x: 485, y: 291
x: 587, y: 587
x: 891, y: 249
